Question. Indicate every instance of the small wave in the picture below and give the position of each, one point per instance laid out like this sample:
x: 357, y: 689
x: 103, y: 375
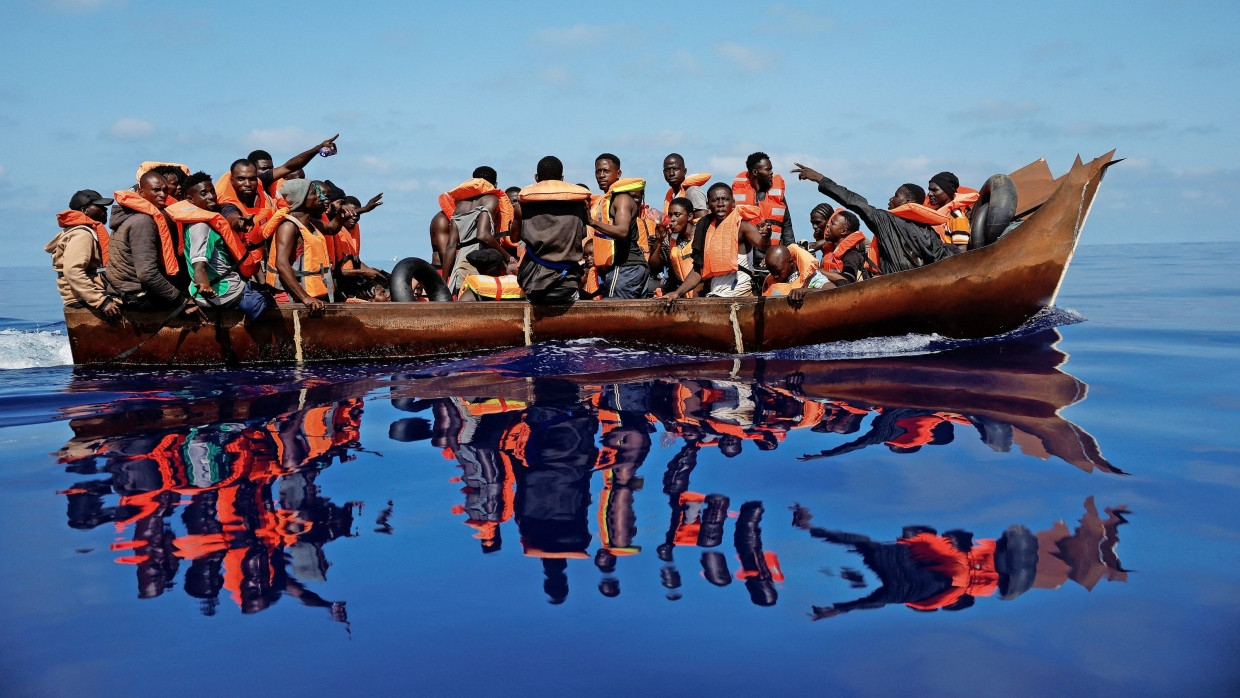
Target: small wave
x: 914, y: 344
x: 33, y: 349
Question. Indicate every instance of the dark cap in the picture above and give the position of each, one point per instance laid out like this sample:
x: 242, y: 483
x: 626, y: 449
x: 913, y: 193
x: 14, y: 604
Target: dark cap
x: 86, y: 197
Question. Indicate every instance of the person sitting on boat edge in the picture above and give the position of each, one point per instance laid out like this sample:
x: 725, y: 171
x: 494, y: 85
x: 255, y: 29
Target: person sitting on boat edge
x: 492, y: 282
x: 903, y: 234
x: 79, y: 254
x: 723, y: 246
x: 214, y: 251
x: 553, y: 227
x: 793, y: 272
x: 945, y: 195
x: 299, y: 263
x: 143, y: 265
x: 473, y: 213
x: 618, y: 231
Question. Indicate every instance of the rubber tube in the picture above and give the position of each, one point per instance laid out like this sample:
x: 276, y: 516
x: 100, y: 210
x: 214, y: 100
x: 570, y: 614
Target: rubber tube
x: 994, y: 211
x: 412, y: 269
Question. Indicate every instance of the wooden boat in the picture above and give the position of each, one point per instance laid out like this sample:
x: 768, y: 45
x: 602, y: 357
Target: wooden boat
x: 980, y: 293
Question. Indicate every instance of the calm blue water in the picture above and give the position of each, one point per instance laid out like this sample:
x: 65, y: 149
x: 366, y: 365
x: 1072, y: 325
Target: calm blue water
x: 526, y: 524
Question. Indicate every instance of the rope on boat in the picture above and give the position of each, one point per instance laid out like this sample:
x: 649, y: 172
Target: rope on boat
x: 736, y: 329
x: 297, y: 336
x: 529, y: 330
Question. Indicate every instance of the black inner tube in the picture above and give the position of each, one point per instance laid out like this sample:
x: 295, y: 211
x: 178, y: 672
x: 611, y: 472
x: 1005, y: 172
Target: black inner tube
x: 412, y: 269
x: 994, y: 211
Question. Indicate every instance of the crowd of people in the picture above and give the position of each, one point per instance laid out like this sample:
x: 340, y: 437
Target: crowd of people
x: 181, y: 241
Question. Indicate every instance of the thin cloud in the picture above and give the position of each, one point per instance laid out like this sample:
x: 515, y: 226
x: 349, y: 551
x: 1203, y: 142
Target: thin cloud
x: 574, y: 36
x: 130, y: 129
x: 790, y: 19
x: 744, y: 58
x: 557, y: 76
x: 78, y: 6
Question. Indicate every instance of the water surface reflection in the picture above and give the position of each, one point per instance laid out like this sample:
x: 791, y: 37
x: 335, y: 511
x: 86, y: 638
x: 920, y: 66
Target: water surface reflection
x: 223, y: 488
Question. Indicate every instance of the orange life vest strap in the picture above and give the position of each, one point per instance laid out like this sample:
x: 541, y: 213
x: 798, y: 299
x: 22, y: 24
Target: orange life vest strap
x: 167, y: 246
x: 73, y: 219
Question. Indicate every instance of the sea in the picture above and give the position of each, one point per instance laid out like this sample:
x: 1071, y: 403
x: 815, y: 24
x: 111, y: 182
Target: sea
x: 1050, y: 512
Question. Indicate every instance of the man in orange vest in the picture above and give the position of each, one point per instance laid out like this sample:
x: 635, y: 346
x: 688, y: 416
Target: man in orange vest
x: 306, y: 277
x: 759, y: 186
x: 625, y: 272
x: 723, y: 246
x: 144, y: 250
x: 903, y: 234
x: 246, y: 176
x: 793, y: 272
x: 212, y: 258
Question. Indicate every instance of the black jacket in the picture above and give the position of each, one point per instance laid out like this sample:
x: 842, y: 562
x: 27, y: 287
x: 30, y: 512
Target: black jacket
x: 902, y: 244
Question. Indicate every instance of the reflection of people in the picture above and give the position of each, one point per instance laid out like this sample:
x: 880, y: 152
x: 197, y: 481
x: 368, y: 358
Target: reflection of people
x: 555, y: 441
x: 903, y: 430
x: 929, y: 571
x: 759, y: 568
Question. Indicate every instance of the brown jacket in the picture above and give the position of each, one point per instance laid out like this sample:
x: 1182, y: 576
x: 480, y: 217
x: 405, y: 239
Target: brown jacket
x: 76, y: 259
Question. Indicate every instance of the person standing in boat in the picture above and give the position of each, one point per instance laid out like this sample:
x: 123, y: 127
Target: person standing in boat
x: 759, y: 186
x: 684, y: 185
x: 553, y: 227
x: 300, y: 263
x: 143, y: 250
x: 618, y: 231
x: 723, y: 246
x: 903, y: 233
x: 79, y: 253
x: 474, y: 213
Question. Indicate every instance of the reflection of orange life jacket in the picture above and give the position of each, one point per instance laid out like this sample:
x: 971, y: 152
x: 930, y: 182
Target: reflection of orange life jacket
x: 773, y: 206
x: 693, y: 180
x: 186, y: 213
x: 919, y: 431
x: 689, y: 522
x: 499, y: 288
x: 168, y: 247
x: 312, y: 258
x: 166, y: 454
x: 722, y: 244
x: 606, y: 503
x: 971, y: 573
x: 956, y: 230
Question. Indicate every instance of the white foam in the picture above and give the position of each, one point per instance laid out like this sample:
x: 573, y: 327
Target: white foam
x: 33, y: 349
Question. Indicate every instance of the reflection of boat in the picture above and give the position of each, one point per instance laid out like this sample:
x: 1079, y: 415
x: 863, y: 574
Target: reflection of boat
x: 982, y: 293
x: 1013, y: 391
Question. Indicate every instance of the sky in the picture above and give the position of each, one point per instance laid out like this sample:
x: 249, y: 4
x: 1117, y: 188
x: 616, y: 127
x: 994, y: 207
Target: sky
x: 872, y: 94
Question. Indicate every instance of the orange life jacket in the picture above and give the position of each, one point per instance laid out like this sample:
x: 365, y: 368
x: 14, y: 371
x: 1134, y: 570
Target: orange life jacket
x: 473, y: 188
x: 186, y: 213
x: 773, y: 206
x: 807, y: 266
x: 554, y: 190
x: 722, y: 244
x: 693, y: 180
x: 971, y: 572
x: 72, y: 219
x: 919, y: 214
x: 834, y: 260
x: 681, y: 261
x: 498, y: 288
x: 263, y: 209
x: 316, y: 263
x: 600, y: 210
x: 167, y: 245
x: 344, y: 244
x: 956, y: 230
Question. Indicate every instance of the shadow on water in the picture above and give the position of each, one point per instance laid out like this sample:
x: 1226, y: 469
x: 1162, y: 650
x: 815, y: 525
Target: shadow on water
x: 238, y: 467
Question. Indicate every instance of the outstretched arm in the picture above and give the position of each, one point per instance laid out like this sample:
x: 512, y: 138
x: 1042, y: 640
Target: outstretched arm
x: 848, y: 199
x: 300, y: 160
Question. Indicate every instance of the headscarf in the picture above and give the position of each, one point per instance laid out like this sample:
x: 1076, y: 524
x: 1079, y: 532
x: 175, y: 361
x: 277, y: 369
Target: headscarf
x: 295, y: 192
